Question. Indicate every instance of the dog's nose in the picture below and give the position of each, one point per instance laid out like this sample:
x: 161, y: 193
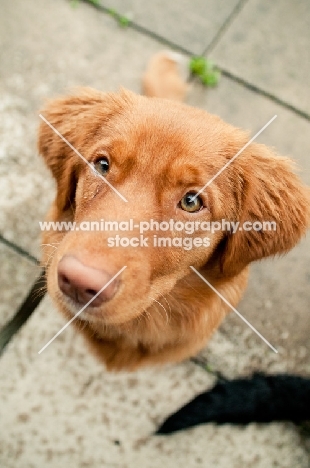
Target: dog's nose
x: 81, y: 283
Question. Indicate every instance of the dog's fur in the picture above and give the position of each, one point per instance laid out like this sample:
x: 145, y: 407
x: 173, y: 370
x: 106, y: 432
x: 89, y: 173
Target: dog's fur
x: 159, y: 150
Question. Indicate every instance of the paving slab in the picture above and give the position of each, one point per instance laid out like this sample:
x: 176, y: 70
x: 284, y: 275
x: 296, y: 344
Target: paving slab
x: 288, y: 133
x: 278, y: 297
x: 268, y: 44
x: 17, y: 275
x: 61, y: 408
x: 191, y: 25
x: 67, y: 47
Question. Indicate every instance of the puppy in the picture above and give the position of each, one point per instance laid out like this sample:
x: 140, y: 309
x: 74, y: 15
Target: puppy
x: 157, y: 153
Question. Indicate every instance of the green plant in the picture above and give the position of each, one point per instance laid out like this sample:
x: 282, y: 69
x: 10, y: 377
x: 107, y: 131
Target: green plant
x: 74, y: 3
x: 122, y: 20
x: 205, y: 70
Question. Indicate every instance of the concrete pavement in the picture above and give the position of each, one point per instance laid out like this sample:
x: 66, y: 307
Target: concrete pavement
x: 62, y: 408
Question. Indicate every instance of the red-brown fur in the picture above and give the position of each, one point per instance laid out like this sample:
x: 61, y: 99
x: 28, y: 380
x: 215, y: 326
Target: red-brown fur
x: 161, y: 149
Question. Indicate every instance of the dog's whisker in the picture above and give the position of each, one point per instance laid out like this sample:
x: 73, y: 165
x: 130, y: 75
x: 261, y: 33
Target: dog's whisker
x: 154, y: 300
x: 148, y: 315
x: 51, y: 255
x: 45, y: 246
x: 163, y: 296
x: 140, y: 316
x: 49, y: 259
x: 39, y: 293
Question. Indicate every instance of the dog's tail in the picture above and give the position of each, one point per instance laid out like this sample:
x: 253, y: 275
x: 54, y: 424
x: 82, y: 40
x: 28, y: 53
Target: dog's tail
x: 165, y: 76
x: 259, y: 399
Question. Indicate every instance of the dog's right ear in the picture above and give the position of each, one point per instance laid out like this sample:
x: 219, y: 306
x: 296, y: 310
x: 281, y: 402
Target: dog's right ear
x: 272, y: 193
x: 77, y: 118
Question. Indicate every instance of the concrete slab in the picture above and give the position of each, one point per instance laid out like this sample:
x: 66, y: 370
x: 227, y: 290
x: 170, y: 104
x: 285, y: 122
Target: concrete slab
x: 189, y: 25
x: 268, y: 45
x: 66, y: 48
x: 16, y: 278
x: 288, y: 134
x: 61, y: 408
x: 278, y: 297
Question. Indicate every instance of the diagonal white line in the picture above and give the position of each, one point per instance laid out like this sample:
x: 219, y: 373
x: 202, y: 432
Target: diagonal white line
x: 232, y: 159
x: 80, y: 311
x: 82, y: 157
x: 235, y: 310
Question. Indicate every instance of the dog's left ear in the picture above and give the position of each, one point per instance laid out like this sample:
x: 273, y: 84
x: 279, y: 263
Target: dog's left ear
x: 79, y: 118
x: 271, y: 193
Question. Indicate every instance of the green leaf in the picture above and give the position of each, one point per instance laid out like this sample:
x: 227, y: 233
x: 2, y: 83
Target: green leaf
x: 112, y: 12
x: 205, y: 69
x: 197, y: 65
x: 123, y: 21
x: 211, y: 78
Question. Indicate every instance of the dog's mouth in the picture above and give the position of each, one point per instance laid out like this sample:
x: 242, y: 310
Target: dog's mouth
x: 114, y: 296
x: 108, y: 313
x: 77, y: 306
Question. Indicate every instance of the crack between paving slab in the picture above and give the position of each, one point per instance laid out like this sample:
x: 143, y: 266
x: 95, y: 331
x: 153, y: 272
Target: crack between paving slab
x: 141, y: 29
x: 19, y: 250
x: 264, y: 93
x: 33, y: 299
x: 230, y: 18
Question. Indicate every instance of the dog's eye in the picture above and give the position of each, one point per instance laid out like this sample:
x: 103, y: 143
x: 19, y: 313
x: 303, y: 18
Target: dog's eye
x: 102, y: 165
x: 191, y: 203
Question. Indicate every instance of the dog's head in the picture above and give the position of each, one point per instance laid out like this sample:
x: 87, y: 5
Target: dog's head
x: 157, y: 154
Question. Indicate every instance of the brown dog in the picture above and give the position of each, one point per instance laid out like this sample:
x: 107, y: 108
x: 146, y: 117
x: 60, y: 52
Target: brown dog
x: 157, y: 153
